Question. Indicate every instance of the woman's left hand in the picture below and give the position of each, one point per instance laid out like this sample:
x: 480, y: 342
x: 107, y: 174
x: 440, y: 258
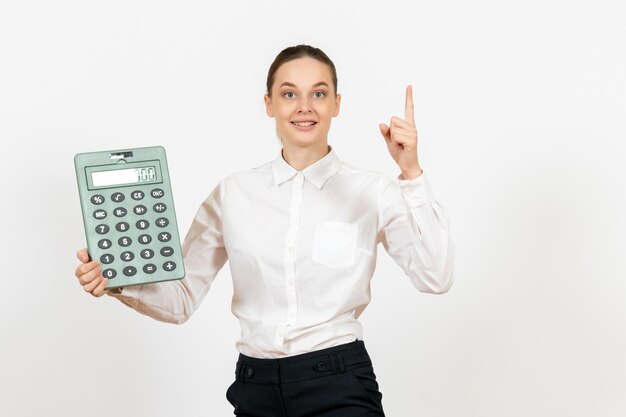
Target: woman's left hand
x: 401, y: 139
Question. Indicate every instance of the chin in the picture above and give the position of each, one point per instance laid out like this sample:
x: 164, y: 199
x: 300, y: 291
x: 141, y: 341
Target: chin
x: 306, y: 138
x: 305, y: 141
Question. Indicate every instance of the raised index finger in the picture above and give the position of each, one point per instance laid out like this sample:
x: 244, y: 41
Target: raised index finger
x: 408, y: 105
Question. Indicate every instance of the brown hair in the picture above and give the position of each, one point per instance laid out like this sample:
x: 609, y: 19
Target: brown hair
x: 295, y: 52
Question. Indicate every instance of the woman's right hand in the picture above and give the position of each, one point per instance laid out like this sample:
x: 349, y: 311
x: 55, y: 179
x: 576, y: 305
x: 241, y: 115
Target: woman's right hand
x: 89, y: 274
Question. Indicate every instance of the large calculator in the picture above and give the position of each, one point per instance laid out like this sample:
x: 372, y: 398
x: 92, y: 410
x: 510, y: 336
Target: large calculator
x: 129, y: 217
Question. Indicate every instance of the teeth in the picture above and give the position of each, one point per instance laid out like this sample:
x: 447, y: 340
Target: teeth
x: 303, y: 123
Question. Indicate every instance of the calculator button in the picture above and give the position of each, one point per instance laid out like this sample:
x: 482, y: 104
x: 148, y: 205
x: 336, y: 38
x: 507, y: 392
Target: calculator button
x: 122, y: 226
x: 160, y: 207
x: 145, y: 239
x: 117, y: 197
x: 97, y: 199
x: 157, y: 193
x: 99, y: 214
x: 129, y: 271
x: 162, y: 222
x: 120, y: 212
x: 142, y: 224
x: 102, y: 229
x: 140, y: 209
x: 104, y: 244
x: 109, y: 273
x: 125, y: 241
x: 137, y: 195
x: 147, y: 253
x: 149, y: 268
x: 167, y: 251
x: 169, y: 266
x: 165, y: 237
x: 107, y: 258
x: 127, y: 256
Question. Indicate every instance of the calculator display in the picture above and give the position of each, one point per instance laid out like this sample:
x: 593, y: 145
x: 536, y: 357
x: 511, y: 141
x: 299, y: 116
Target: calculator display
x: 124, y: 176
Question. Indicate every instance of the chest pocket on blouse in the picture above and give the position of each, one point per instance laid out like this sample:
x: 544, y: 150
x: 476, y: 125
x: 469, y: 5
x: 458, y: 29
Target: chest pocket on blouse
x: 334, y: 243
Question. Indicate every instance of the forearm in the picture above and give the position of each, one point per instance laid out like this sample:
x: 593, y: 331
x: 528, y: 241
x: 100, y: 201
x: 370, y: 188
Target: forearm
x: 428, y: 248
x: 431, y: 261
x: 163, y: 301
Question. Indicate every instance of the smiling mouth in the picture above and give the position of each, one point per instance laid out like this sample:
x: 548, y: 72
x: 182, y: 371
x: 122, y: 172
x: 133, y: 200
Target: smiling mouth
x: 304, y: 124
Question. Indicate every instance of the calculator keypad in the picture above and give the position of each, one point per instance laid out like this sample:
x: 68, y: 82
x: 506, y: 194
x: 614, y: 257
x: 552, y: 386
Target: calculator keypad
x: 134, y: 234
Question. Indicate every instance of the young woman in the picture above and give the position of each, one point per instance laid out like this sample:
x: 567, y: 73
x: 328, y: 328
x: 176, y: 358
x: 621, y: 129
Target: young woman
x: 301, y: 233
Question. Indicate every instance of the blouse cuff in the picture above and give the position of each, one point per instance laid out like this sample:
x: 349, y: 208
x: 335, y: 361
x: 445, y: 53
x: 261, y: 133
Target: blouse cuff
x: 114, y: 291
x: 417, y: 191
x: 124, y: 293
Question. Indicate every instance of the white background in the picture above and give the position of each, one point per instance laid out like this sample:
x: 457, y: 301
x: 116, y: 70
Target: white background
x: 520, y: 112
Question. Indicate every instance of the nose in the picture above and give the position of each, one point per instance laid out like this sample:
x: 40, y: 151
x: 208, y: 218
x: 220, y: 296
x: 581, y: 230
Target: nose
x: 304, y: 105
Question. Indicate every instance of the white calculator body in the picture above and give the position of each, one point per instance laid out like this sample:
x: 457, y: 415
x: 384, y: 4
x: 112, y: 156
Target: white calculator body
x: 129, y: 217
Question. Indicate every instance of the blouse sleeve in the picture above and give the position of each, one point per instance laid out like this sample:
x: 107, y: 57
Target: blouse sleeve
x: 415, y: 231
x: 204, y: 255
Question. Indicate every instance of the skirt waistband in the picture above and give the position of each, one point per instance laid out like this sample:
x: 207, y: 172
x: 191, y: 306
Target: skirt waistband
x: 302, y: 367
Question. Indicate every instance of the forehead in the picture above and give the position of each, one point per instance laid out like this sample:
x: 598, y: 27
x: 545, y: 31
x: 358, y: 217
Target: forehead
x: 303, y: 72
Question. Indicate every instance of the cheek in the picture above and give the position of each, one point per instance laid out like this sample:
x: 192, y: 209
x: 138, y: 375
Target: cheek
x: 325, y: 113
x: 284, y: 112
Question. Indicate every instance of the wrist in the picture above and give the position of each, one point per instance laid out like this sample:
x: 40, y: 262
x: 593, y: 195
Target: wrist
x: 411, y: 174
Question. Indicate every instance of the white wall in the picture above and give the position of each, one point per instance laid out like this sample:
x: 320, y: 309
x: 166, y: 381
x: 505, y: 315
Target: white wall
x: 520, y: 113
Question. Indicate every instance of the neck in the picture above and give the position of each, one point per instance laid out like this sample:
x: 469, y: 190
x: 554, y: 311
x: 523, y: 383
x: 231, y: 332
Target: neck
x: 300, y: 158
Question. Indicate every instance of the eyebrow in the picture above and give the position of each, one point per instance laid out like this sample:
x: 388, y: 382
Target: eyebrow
x: 288, y: 84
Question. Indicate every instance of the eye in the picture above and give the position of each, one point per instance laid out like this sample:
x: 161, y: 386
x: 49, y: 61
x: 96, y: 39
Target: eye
x: 319, y: 94
x: 287, y: 94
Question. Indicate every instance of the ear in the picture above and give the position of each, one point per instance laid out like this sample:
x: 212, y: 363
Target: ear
x: 268, y: 105
x: 337, y: 105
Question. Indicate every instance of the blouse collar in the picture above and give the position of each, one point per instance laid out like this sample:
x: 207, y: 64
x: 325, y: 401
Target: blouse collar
x: 317, y: 173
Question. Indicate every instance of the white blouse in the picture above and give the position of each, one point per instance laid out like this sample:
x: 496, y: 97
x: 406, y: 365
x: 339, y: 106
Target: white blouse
x: 302, y: 251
